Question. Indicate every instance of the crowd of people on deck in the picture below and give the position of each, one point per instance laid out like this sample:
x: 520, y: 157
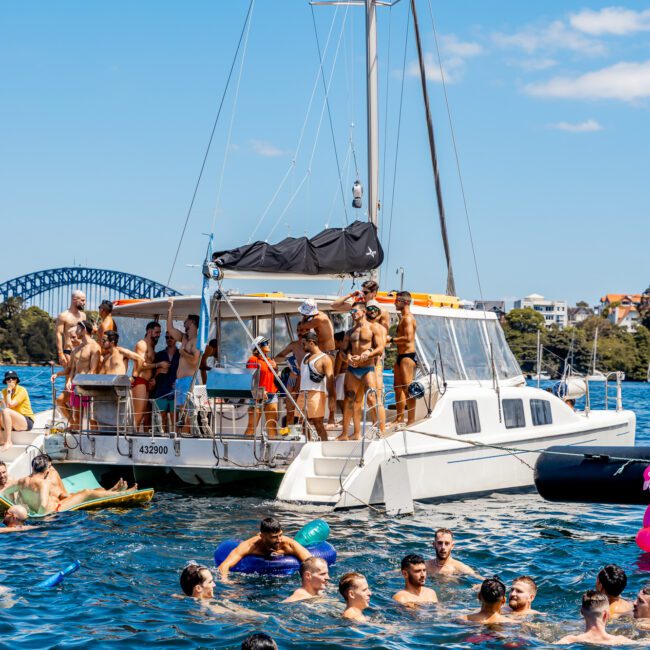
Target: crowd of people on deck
x: 498, y: 604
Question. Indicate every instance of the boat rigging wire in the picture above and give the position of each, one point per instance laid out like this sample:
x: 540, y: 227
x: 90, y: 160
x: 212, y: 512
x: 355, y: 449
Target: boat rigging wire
x: 207, y: 150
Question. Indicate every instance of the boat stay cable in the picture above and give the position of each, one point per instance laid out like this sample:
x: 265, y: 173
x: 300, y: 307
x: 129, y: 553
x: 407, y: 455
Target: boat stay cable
x: 207, y: 150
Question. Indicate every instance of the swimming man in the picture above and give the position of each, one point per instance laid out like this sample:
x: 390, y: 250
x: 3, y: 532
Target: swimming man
x: 444, y: 563
x: 522, y: 595
x: 414, y: 571
x: 14, y: 520
x: 314, y: 575
x: 356, y: 592
x: 492, y: 597
x: 611, y: 581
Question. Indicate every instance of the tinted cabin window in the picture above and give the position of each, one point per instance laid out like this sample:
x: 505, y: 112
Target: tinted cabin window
x: 513, y: 413
x: 540, y: 409
x: 466, y: 417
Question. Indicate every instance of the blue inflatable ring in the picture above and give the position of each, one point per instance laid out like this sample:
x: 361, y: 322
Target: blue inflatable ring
x: 281, y: 565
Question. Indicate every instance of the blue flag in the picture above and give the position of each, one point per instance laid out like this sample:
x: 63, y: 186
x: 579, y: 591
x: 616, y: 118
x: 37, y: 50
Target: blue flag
x: 204, y: 321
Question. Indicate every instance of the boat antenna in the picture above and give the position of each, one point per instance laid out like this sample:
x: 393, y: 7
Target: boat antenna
x: 451, y: 285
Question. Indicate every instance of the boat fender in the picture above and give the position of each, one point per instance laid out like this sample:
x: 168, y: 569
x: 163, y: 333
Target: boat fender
x: 57, y: 578
x: 280, y: 565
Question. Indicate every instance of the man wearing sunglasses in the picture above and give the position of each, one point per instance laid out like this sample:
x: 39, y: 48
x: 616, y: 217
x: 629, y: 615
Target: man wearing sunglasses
x: 367, y: 294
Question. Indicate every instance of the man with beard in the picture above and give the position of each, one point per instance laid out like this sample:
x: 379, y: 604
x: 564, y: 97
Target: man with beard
x: 115, y: 360
x: 354, y: 589
x: 143, y: 377
x: 314, y: 575
x: 374, y: 316
x: 414, y: 570
x: 270, y: 541
x: 106, y: 322
x: 492, y: 597
x: 66, y: 322
x: 5, y: 481
x: 367, y: 294
x: 83, y: 360
x: 443, y: 563
x: 522, y: 594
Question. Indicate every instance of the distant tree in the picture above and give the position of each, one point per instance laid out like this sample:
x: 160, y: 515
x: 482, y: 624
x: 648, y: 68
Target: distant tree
x: 644, y: 308
x: 582, y: 303
x: 525, y: 320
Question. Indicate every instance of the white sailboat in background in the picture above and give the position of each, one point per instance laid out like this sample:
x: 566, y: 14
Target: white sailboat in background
x: 595, y: 375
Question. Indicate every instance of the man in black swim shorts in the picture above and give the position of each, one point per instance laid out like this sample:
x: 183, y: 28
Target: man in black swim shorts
x: 406, y: 362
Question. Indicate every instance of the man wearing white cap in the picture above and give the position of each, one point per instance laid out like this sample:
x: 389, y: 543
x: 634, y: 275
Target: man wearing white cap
x: 312, y: 319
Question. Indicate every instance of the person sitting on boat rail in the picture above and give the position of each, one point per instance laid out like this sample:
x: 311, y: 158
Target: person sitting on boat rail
x: 492, y: 597
x: 142, y: 381
x: 316, y: 383
x: 522, y: 595
x: 367, y: 293
x: 414, y: 571
x: 406, y: 362
x: 197, y: 582
x: 66, y: 322
x: 269, y: 399
x: 17, y: 414
x: 595, y: 611
x: 354, y: 588
x: 362, y: 345
x: 269, y: 541
x: 444, y: 563
x: 312, y: 319
x: 314, y: 575
x: 611, y: 581
x: 115, y: 360
x: 14, y: 520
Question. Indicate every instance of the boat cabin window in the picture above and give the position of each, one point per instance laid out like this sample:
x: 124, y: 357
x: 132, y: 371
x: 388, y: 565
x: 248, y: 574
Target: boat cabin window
x: 437, y: 340
x: 472, y: 347
x: 540, y: 409
x: 466, y: 416
x: 513, y: 413
x: 234, y: 342
x: 504, y: 361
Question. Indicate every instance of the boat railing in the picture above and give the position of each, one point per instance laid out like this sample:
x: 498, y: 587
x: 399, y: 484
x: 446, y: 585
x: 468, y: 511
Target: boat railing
x: 364, y: 420
x: 618, y: 387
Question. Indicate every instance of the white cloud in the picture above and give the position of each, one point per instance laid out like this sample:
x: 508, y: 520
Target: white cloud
x: 578, y: 127
x: 453, y: 53
x: 554, y: 36
x: 450, y: 45
x: 623, y: 81
x: 533, y: 65
x: 263, y: 148
x: 611, y: 20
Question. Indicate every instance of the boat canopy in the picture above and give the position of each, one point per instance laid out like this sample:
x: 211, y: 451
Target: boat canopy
x: 354, y: 250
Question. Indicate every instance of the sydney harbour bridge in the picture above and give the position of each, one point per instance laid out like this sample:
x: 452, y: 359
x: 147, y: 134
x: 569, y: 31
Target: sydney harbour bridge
x: 50, y: 289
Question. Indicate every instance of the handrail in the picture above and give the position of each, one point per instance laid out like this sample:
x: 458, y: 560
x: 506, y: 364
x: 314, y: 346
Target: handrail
x: 365, y: 419
x: 619, y: 390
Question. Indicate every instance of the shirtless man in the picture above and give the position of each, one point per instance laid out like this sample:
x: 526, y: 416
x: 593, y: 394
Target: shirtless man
x: 414, y: 570
x: 190, y: 356
x: 314, y: 575
x: 492, y: 597
x: 368, y: 292
x: 443, y: 563
x: 293, y: 354
x: 106, y: 322
x: 363, y: 346
x: 5, y: 481
x: 340, y: 368
x: 143, y: 377
x: 374, y: 315
x: 611, y: 581
x: 641, y: 608
x: 14, y: 520
x: 66, y: 322
x: 84, y: 359
x: 595, y: 611
x: 209, y: 360
x: 270, y: 541
x: 404, y: 369
x: 197, y: 582
x: 115, y: 360
x: 354, y: 589
x: 312, y: 319
x: 522, y: 595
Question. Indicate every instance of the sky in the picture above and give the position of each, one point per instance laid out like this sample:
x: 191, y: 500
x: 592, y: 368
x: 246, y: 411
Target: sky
x: 107, y: 108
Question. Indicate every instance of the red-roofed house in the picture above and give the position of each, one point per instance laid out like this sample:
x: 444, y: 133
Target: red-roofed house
x: 623, y: 309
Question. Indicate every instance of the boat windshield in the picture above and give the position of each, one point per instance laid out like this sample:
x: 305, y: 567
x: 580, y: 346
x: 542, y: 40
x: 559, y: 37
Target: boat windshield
x: 462, y: 347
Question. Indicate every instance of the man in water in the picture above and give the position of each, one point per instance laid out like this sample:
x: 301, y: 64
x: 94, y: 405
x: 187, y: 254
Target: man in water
x: 312, y: 319
x: 115, y: 360
x: 492, y: 597
x: 595, y: 611
x: 367, y: 294
x: 363, y: 346
x: 259, y: 641
x: 106, y: 322
x: 5, y: 481
x: 314, y: 574
x: 14, y: 520
x: 66, y: 322
x: 197, y: 582
x: 414, y: 570
x: 406, y: 362
x: 84, y: 359
x: 356, y: 592
x: 522, y: 595
x: 316, y: 383
x: 443, y: 563
x: 641, y: 608
x: 611, y: 581
x: 270, y: 541
x: 142, y: 380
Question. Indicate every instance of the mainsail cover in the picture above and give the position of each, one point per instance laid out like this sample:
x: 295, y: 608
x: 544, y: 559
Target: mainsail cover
x: 353, y: 250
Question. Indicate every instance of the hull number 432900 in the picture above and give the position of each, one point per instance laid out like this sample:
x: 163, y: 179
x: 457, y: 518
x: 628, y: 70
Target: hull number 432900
x: 153, y: 449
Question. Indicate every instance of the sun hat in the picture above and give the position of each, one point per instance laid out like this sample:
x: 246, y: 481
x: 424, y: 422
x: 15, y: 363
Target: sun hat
x: 10, y: 374
x: 309, y: 307
x: 259, y: 341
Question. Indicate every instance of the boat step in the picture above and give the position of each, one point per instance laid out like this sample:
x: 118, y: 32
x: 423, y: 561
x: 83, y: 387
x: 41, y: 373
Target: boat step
x: 334, y: 466
x: 12, y: 453
x: 323, y: 485
x: 341, y: 449
x: 25, y: 437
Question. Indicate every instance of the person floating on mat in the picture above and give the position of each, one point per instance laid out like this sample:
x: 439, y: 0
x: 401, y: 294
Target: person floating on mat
x: 270, y: 541
x: 43, y: 491
x: 14, y: 520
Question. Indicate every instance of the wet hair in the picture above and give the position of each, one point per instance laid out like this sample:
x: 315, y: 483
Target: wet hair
x: 191, y: 577
x: 151, y: 325
x: 443, y: 531
x: 411, y: 560
x: 646, y: 589
x: 339, y: 336
x: 259, y: 641
x: 2, y: 463
x: 529, y: 581
x: 370, y: 285
x: 310, y: 564
x: 85, y: 325
x: 193, y: 318
x: 107, y: 305
x: 41, y: 463
x: 404, y: 295
x: 492, y: 590
x: 270, y: 525
x: 310, y: 335
x: 347, y: 582
x: 594, y: 602
x: 613, y: 579
x: 112, y: 337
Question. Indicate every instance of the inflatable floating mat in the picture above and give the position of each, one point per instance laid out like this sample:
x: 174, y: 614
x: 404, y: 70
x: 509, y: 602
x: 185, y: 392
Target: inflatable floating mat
x: 86, y: 480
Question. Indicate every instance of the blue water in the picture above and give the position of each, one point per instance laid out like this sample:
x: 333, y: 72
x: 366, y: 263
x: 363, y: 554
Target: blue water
x: 131, y: 560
